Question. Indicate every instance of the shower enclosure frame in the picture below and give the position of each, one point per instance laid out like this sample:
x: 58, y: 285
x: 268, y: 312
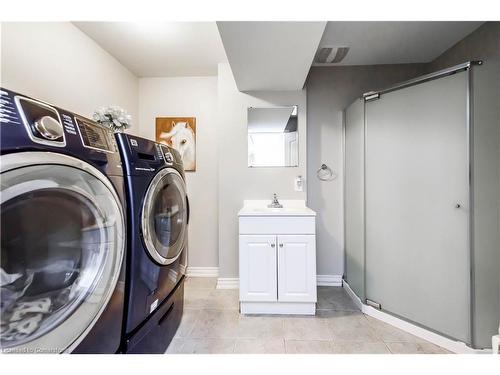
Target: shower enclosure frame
x: 373, y: 95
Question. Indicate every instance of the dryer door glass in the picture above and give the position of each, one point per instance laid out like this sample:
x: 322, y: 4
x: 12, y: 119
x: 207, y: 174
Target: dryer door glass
x: 61, y: 250
x: 164, y: 217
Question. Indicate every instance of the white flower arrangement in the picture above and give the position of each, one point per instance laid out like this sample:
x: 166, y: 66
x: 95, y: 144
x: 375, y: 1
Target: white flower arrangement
x: 113, y: 117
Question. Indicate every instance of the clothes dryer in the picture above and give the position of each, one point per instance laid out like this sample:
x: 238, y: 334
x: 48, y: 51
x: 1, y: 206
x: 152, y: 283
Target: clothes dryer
x: 158, y: 212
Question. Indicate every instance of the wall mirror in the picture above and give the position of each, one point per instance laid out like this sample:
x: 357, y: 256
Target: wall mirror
x: 273, y: 137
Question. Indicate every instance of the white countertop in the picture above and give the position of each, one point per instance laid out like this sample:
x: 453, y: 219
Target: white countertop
x: 291, y: 207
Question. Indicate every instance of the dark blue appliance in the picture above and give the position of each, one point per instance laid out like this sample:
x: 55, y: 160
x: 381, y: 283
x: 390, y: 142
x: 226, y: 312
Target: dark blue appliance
x: 158, y: 212
x: 63, y: 231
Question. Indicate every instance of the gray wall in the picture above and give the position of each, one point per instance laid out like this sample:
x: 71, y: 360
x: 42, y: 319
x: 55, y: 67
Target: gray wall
x: 190, y: 97
x: 483, y: 44
x: 238, y: 182
x: 78, y: 75
x: 329, y: 91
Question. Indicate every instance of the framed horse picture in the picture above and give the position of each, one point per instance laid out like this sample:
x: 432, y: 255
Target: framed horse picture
x: 180, y: 134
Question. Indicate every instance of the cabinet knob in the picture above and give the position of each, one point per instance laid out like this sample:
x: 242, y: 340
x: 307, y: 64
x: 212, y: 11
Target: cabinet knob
x: 281, y: 245
x: 273, y: 245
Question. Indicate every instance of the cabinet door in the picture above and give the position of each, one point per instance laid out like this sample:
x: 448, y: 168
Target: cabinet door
x: 258, y: 274
x: 297, y: 268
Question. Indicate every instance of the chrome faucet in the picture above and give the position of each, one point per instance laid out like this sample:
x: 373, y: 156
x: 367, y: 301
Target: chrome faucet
x: 275, y: 203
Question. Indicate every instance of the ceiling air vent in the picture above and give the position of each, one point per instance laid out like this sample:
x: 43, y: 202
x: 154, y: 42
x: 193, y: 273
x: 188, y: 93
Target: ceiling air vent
x: 330, y: 54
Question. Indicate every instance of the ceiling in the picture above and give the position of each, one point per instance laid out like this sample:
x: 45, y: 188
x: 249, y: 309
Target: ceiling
x: 267, y: 55
x: 270, y: 55
x: 372, y: 43
x: 160, y: 49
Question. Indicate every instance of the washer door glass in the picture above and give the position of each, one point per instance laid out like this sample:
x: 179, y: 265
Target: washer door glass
x: 164, y: 216
x: 61, y: 250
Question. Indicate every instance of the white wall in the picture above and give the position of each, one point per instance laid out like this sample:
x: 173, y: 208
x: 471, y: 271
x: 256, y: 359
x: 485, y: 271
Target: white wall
x: 238, y: 182
x: 190, y: 97
x: 57, y: 63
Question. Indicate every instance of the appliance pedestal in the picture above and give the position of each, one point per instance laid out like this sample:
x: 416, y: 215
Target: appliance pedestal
x: 154, y: 335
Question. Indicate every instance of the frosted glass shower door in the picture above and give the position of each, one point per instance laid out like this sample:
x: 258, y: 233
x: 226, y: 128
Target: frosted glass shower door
x: 354, y: 145
x: 417, y: 204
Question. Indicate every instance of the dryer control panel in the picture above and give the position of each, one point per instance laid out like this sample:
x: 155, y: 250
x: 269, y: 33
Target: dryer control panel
x: 168, y: 157
x: 143, y: 156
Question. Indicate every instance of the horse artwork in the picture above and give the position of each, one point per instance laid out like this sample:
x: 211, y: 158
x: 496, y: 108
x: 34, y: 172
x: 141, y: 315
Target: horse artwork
x: 180, y: 134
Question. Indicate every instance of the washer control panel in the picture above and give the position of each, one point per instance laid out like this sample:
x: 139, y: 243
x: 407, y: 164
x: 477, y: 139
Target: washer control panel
x: 42, y: 122
x: 49, y: 128
x: 94, y: 136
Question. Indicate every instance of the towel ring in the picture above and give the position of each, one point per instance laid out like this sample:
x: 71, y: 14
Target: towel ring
x: 325, y: 173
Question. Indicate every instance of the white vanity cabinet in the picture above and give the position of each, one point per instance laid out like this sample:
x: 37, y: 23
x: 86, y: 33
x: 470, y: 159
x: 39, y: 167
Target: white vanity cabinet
x: 277, y: 258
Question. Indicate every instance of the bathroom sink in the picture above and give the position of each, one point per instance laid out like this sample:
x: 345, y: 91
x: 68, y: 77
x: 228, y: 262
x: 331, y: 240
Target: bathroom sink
x: 290, y: 208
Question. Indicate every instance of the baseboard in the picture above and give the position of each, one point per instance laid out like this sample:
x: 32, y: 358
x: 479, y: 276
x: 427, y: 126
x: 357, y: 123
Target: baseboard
x: 353, y: 295
x: 444, y: 342
x: 329, y: 280
x: 322, y: 280
x: 495, y: 344
x: 294, y: 308
x: 228, y: 283
x: 202, y: 271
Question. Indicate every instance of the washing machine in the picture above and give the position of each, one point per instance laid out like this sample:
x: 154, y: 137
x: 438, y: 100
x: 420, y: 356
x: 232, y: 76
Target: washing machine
x: 158, y: 211
x: 63, y: 231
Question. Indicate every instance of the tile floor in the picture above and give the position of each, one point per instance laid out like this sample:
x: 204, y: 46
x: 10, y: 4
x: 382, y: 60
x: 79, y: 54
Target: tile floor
x: 212, y: 324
